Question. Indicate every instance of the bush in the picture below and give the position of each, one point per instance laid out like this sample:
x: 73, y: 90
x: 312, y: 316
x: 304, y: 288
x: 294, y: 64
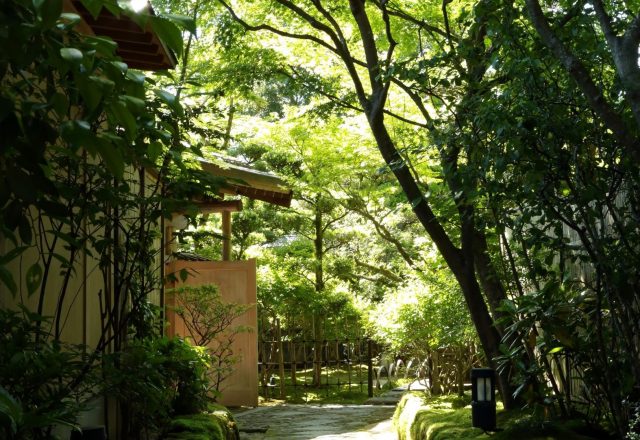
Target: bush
x: 155, y: 379
x: 43, y: 383
x: 210, y: 323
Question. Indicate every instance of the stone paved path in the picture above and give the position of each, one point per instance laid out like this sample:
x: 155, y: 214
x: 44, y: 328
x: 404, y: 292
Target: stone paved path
x: 324, y: 422
x: 317, y: 422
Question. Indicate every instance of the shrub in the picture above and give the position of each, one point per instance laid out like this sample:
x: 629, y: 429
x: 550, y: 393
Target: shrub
x: 43, y: 383
x: 209, y: 321
x: 154, y: 379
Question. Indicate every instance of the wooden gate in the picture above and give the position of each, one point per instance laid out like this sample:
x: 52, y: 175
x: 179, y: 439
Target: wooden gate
x: 237, y: 283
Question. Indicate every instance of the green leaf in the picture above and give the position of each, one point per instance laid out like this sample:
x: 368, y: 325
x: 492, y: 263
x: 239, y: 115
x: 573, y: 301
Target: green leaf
x: 170, y: 99
x: 91, y: 94
x: 71, y: 54
x: 93, y: 6
x: 23, y: 186
x: 111, y: 156
x: 105, y: 84
x: 186, y: 23
x: 104, y: 45
x: 122, y: 67
x: 154, y: 150
x: 136, y: 77
x: 69, y: 239
x: 71, y: 18
x: 123, y: 117
x: 169, y: 33
x: 7, y: 279
x: 78, y: 134
x: 48, y: 11
x: 10, y: 409
x: 133, y: 103
x: 33, y: 278
x: 24, y: 229
x: 114, y: 8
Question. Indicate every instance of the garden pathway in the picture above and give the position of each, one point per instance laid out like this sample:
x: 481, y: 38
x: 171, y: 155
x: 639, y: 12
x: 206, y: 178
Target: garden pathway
x: 371, y: 421
x: 317, y: 422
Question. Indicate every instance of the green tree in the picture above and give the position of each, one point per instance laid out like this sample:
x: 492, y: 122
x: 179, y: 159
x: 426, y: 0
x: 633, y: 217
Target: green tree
x: 370, y: 60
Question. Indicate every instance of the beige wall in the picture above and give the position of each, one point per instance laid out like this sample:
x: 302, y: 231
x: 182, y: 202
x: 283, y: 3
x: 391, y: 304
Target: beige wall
x: 80, y: 316
x: 237, y: 283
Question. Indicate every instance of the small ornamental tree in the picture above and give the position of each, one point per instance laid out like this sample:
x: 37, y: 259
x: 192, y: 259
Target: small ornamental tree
x: 210, y: 322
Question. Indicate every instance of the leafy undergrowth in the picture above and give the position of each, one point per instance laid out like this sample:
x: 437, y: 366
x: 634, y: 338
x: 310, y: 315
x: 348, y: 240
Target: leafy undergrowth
x: 216, y: 424
x: 419, y: 417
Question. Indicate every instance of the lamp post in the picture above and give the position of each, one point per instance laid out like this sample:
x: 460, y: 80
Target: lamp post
x: 483, y: 400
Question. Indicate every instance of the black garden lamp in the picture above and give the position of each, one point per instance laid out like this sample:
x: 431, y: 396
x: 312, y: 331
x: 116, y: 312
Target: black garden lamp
x: 483, y: 400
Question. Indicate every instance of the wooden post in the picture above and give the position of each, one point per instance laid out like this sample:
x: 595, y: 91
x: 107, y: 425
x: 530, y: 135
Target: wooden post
x: 283, y: 394
x: 226, y: 233
x: 369, y: 368
x: 168, y: 242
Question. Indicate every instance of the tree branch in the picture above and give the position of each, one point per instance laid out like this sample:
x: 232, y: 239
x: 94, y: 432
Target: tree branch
x: 605, y: 24
x: 266, y: 27
x: 380, y: 270
x: 397, y: 12
x: 581, y: 76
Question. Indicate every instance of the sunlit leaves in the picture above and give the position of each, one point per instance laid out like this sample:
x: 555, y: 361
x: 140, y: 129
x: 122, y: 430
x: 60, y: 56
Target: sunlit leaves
x: 170, y: 99
x: 168, y: 32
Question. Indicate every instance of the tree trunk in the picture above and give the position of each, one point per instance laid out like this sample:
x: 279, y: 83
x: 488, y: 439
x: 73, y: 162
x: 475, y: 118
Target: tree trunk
x: 319, y: 289
x: 227, y: 130
x: 293, y: 352
x: 283, y: 393
x: 436, y: 387
x: 317, y: 352
x: 461, y: 265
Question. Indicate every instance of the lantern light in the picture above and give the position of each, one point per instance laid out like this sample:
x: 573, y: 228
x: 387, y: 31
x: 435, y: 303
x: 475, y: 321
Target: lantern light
x: 179, y: 222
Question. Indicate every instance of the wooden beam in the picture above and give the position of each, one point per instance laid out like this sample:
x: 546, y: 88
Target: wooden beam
x: 226, y: 233
x: 168, y: 242
x: 275, y: 198
x: 217, y: 206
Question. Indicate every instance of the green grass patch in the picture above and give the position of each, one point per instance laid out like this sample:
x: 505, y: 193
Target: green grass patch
x: 216, y: 424
x: 419, y: 417
x: 338, y: 385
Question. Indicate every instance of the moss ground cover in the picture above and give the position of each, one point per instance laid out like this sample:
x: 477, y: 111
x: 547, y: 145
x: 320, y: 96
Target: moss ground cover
x: 216, y: 424
x: 419, y: 417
